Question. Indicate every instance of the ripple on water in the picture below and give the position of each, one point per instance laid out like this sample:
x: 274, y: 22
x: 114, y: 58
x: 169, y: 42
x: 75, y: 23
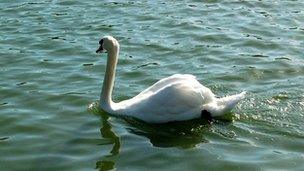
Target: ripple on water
x: 50, y: 74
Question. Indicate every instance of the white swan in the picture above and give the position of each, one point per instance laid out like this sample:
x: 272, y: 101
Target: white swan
x: 175, y: 98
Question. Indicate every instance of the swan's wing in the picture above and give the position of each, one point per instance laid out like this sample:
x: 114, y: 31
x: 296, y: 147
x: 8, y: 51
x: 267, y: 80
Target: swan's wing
x: 176, y: 101
x: 171, y: 100
x: 167, y: 81
x: 178, y: 98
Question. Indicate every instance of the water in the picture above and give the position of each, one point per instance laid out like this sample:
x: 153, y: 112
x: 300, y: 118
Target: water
x: 50, y: 74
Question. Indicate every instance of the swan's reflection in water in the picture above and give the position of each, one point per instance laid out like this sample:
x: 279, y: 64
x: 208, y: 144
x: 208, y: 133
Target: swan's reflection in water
x: 106, y: 132
x: 186, y: 134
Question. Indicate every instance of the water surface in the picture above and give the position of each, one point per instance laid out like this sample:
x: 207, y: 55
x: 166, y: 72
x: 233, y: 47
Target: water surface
x: 50, y: 74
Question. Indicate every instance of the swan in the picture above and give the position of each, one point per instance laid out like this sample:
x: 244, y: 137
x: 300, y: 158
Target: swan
x: 178, y: 97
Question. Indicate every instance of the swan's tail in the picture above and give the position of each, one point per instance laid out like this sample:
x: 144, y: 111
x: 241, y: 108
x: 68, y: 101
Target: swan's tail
x: 229, y: 102
x: 224, y: 105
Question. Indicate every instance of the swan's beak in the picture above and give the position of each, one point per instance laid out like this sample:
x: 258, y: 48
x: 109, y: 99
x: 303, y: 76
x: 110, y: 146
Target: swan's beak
x: 99, y: 50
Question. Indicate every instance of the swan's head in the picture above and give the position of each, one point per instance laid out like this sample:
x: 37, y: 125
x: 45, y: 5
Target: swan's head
x: 107, y: 43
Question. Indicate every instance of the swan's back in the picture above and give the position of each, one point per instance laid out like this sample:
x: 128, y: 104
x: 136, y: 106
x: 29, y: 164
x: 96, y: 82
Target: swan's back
x: 167, y: 81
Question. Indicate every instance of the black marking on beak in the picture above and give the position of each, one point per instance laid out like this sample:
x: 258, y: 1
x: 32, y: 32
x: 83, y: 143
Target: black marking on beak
x: 100, y: 49
x: 100, y: 41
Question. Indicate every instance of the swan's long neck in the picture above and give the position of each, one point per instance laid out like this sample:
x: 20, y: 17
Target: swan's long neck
x: 108, y: 82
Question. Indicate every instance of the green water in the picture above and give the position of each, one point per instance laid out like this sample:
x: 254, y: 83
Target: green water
x: 50, y: 74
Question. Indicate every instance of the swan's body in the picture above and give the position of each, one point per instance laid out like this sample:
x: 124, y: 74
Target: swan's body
x: 175, y: 98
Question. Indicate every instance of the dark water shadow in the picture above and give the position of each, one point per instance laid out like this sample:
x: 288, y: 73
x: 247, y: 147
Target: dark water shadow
x: 185, y: 134
x: 181, y: 134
